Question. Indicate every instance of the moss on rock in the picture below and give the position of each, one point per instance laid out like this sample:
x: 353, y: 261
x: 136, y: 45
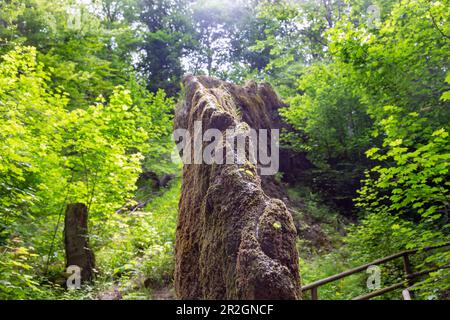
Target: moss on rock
x: 226, y: 244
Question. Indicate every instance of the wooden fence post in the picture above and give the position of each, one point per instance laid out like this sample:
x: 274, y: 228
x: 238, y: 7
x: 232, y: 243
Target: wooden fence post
x: 408, y: 272
x: 314, y: 295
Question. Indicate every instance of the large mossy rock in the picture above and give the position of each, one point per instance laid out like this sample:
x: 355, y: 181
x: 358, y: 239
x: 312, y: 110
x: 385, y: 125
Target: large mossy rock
x: 233, y: 241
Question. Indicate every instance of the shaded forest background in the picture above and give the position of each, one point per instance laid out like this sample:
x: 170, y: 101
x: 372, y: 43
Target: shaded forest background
x: 87, y: 94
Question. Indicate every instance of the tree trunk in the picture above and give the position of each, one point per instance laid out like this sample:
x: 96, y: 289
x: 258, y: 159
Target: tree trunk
x: 76, y: 240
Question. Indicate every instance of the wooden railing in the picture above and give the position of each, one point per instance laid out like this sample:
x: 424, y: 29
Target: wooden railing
x: 410, y: 276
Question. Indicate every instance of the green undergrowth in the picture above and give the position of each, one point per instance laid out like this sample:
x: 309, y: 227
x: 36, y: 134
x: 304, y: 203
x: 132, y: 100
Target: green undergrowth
x: 140, y: 256
x: 354, y: 243
x: 338, y: 249
x: 134, y: 254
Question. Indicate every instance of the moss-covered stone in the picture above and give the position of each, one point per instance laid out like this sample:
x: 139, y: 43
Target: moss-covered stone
x: 227, y: 245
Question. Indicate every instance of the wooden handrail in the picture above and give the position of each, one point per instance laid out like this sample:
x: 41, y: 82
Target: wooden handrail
x: 421, y: 273
x: 407, y: 268
x: 405, y: 283
x: 379, y: 292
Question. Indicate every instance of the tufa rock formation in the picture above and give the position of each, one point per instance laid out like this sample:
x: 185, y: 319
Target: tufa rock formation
x: 233, y: 239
